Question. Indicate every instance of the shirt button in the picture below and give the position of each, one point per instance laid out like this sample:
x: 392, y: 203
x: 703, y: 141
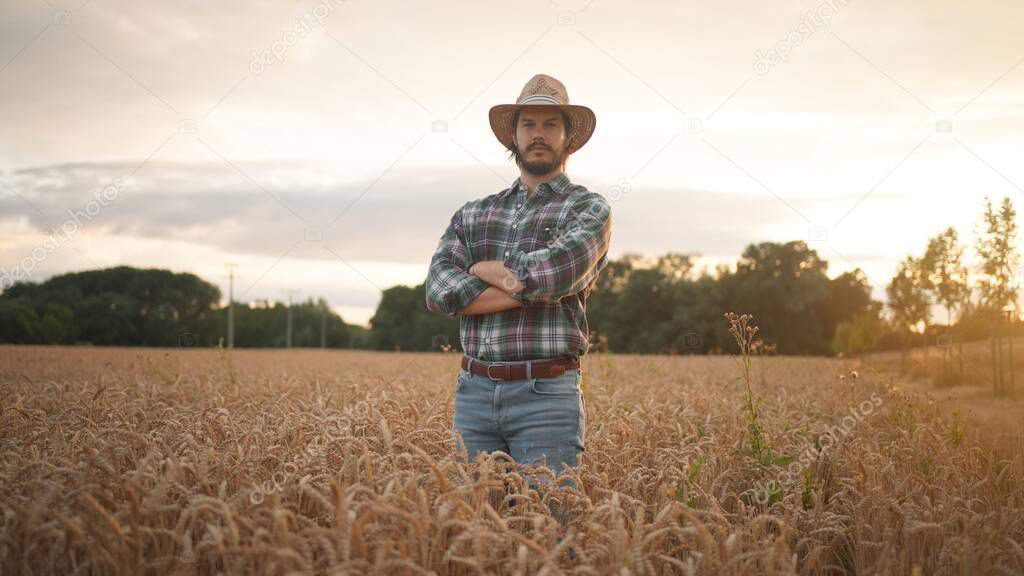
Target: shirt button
x: 506, y: 252
x: 519, y: 205
x: 514, y: 226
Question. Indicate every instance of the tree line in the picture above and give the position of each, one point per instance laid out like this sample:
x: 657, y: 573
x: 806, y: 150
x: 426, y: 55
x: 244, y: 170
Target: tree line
x: 126, y: 306
x: 638, y: 305
x: 663, y: 305
x: 979, y: 302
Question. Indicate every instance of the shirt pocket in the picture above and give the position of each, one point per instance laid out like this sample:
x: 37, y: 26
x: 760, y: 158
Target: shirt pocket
x: 541, y: 234
x: 537, y: 237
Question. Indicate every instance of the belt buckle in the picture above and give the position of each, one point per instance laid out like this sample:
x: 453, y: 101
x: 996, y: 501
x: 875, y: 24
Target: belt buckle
x: 507, y: 367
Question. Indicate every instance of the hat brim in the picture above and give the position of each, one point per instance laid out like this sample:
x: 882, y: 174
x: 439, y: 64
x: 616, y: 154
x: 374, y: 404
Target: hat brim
x: 583, y: 123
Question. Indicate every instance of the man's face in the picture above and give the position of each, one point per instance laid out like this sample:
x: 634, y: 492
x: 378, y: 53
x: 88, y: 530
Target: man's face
x: 540, y: 139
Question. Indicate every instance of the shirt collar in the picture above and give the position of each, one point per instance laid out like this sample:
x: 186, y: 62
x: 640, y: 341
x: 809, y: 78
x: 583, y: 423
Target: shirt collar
x: 559, y: 184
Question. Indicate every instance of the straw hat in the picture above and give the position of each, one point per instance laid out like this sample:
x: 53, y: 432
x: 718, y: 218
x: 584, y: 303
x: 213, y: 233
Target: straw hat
x: 543, y: 90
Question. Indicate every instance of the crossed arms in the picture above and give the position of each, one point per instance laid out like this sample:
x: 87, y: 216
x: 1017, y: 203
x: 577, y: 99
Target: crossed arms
x: 564, y: 267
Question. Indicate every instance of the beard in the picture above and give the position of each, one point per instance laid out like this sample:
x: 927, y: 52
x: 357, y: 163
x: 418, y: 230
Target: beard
x: 540, y: 167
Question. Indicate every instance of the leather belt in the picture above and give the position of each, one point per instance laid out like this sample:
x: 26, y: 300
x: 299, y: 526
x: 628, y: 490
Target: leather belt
x: 520, y: 370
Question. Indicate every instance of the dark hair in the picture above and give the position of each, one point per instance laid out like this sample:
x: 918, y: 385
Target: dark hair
x: 513, y: 153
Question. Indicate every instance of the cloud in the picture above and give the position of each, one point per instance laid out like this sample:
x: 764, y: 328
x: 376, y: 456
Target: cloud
x: 398, y: 219
x: 85, y: 103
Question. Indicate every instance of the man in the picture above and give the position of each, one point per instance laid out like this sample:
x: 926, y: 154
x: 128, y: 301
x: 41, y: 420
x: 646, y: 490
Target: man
x: 517, y: 267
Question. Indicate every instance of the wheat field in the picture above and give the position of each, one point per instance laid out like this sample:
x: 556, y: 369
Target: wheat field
x: 192, y: 461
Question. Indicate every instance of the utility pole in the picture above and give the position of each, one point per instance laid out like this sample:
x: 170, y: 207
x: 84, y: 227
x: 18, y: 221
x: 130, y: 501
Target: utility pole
x: 323, y: 326
x: 231, y: 303
x: 289, y: 292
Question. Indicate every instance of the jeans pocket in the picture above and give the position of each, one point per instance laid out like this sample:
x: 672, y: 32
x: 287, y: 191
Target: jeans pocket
x: 568, y: 384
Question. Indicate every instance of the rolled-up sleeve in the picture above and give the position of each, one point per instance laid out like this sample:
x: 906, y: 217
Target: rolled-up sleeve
x: 570, y: 263
x: 449, y: 287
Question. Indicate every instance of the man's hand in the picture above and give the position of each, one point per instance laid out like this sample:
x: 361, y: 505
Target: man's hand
x: 496, y: 274
x: 490, y: 301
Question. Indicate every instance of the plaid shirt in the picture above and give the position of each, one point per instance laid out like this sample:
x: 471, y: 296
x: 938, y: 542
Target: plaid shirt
x: 556, y: 242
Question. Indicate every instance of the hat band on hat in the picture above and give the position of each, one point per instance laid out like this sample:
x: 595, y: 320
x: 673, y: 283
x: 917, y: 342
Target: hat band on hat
x: 541, y: 98
x: 543, y: 89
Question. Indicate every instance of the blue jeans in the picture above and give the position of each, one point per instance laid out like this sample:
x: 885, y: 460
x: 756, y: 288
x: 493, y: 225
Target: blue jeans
x: 533, y: 420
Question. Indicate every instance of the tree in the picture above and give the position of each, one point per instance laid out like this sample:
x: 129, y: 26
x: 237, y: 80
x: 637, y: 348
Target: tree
x: 603, y: 304
x: 125, y: 306
x: 946, y: 274
x: 642, y: 317
x: 402, y: 322
x: 908, y: 297
x: 862, y: 333
x: 999, y: 263
x: 846, y: 296
x: 999, y: 258
x: 783, y: 286
x: 947, y: 278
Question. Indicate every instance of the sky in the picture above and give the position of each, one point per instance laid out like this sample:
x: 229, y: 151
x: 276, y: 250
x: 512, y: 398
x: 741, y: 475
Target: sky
x: 323, y: 146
